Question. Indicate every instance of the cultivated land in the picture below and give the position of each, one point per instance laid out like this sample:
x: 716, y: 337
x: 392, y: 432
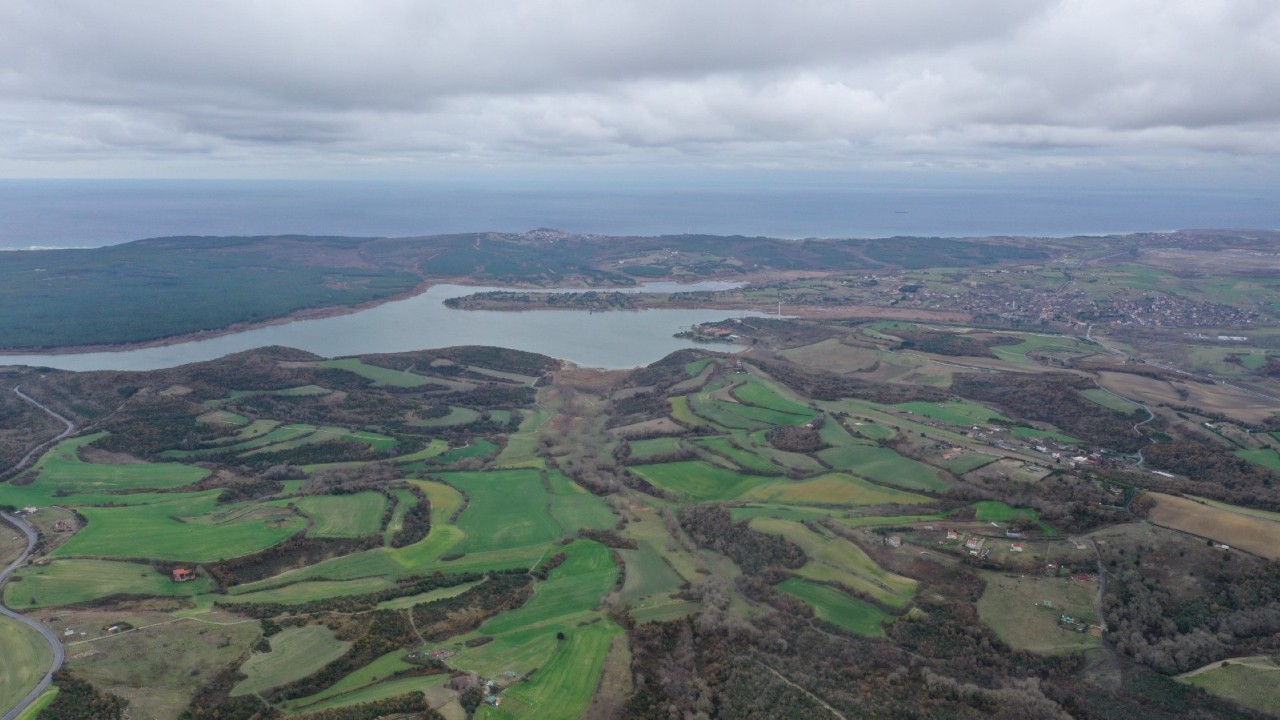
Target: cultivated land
x: 910, y: 484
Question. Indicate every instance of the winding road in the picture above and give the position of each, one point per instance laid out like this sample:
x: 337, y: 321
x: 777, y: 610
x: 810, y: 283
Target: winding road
x: 59, y: 655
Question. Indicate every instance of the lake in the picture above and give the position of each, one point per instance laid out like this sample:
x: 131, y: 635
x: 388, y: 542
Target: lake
x: 612, y: 340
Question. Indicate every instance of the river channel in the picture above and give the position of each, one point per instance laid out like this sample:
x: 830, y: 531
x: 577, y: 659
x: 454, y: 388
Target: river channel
x: 612, y: 340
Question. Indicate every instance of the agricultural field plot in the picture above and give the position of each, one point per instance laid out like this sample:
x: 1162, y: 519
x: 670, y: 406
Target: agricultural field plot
x: 1022, y: 433
x: 341, y: 691
x: 966, y: 462
x: 67, y: 582
x: 961, y: 413
x: 654, y: 447
x: 856, y: 616
x: 1009, y: 468
x: 295, y: 653
x: 648, y: 575
x: 1046, y: 344
x: 353, y: 515
x: 769, y: 396
x: 404, y: 501
x: 158, y: 669
x: 1110, y: 400
x: 700, y: 480
x: 1024, y: 611
x: 506, y: 509
x: 379, y: 375
x: 475, y: 449
x: 1250, y: 681
x: 575, y: 508
x: 457, y: 416
x: 575, y: 587
x: 25, y: 656
x: 383, y: 690
x: 994, y: 511
x: 404, y: 603
x: 835, y: 559
x: 223, y: 417
x: 277, y: 435
x: 885, y: 466
x: 1258, y: 535
x: 833, y: 355
x: 1216, y: 398
x: 61, y: 473
x: 683, y: 414
x: 725, y: 447
x: 433, y: 449
x: 562, y: 689
x: 832, y: 489
x: 1266, y: 457
x: 188, y: 528
x: 307, y: 591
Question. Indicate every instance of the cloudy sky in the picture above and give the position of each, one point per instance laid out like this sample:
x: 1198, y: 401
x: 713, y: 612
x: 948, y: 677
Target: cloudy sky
x: 411, y: 88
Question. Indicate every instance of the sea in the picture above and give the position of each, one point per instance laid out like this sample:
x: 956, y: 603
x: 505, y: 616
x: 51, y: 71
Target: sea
x: 92, y: 213
x: 38, y: 214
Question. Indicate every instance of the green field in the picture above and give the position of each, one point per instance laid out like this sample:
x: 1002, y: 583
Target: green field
x: 953, y: 413
x: 295, y: 653
x: 1109, y: 400
x: 1266, y: 457
x: 456, y: 416
x: 683, y: 414
x: 506, y: 509
x: 700, y: 480
x: 647, y: 574
x: 307, y: 591
x: 1250, y: 681
x: 366, y: 676
x: 24, y: 659
x: 1026, y: 432
x: 832, y: 489
x: 190, y: 527
x: 883, y: 465
x: 835, y: 559
x: 574, y: 508
x: 563, y: 687
x: 994, y: 511
x: 66, y: 582
x: 404, y: 603
x: 856, y: 616
x: 761, y: 394
x: 63, y: 473
x: 654, y: 447
x: 379, y: 375
x: 475, y: 449
x: 353, y: 515
x: 748, y: 461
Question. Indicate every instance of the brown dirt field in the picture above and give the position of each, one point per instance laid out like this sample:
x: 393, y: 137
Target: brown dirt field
x: 1253, y: 534
x: 1216, y: 398
x: 833, y: 355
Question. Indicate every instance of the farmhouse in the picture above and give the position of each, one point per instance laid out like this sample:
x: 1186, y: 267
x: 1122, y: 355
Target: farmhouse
x: 1015, y: 547
x: 953, y: 535
x: 183, y: 574
x: 893, y: 541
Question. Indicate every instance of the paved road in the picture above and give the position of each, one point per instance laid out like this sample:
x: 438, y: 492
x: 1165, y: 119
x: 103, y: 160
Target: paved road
x: 59, y: 655
x: 35, y: 451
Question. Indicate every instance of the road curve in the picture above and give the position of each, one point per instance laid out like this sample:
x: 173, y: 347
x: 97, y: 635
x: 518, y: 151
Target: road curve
x: 59, y: 655
x: 35, y: 451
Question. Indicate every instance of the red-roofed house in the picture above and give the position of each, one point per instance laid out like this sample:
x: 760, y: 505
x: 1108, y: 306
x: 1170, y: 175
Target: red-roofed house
x: 183, y: 574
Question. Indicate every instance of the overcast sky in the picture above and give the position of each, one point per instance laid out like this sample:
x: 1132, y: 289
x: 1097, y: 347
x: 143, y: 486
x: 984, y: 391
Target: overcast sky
x: 412, y: 88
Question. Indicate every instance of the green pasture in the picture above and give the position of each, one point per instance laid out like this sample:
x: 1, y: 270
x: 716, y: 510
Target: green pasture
x: 457, y: 416
x: 307, y: 591
x: 433, y: 448
x: 994, y: 511
x: 190, y: 528
x: 506, y: 509
x: 1250, y: 681
x: 888, y: 520
x: 683, y: 414
x: 784, y: 512
x: 765, y: 395
x: 67, y: 582
x: 1023, y: 611
x: 41, y: 703
x: 476, y: 449
x: 352, y: 515
x: 882, y: 465
x: 404, y: 501
x: 24, y: 659
x: 61, y: 473
x: 700, y: 481
x: 1037, y: 343
x: 648, y: 574
x: 654, y: 447
x: 725, y: 447
x: 856, y: 616
x: 574, y: 508
x: 696, y: 367
x: 956, y: 412
x: 366, y: 676
x: 223, y: 417
x: 1108, y: 400
x: 573, y: 588
x: 561, y: 689
x: 295, y: 653
x: 1266, y: 457
x: 1026, y: 432
x: 379, y: 375
x: 967, y: 462
x: 835, y: 559
x: 832, y: 489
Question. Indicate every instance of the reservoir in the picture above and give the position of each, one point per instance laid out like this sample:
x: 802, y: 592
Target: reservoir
x: 611, y: 340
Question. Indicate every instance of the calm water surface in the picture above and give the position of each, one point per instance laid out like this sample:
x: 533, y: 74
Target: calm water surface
x: 606, y: 340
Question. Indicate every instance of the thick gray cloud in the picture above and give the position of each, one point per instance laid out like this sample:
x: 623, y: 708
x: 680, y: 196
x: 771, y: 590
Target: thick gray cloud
x: 404, y: 86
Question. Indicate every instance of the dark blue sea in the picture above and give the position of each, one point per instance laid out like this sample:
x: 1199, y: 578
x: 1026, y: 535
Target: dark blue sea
x: 86, y: 213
